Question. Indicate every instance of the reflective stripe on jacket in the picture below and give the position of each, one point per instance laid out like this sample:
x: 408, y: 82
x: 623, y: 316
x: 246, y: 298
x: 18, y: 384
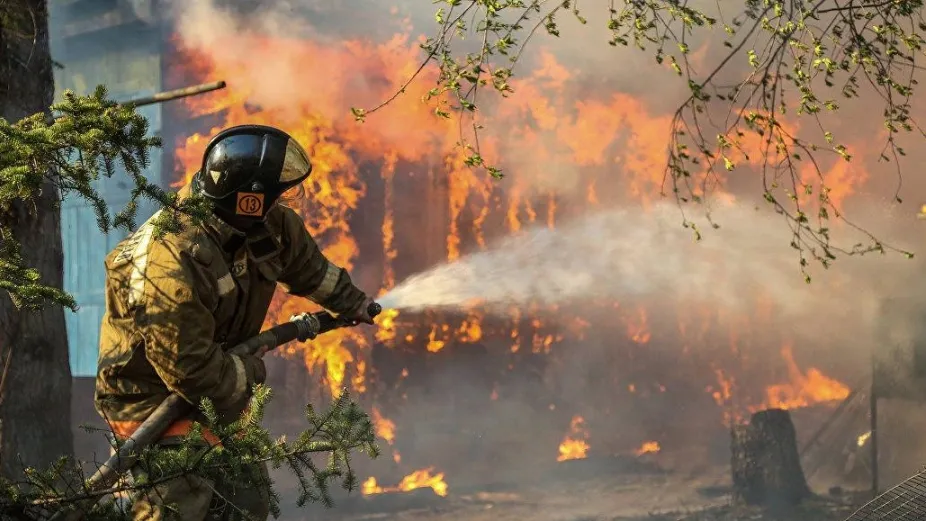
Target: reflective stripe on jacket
x: 125, y: 429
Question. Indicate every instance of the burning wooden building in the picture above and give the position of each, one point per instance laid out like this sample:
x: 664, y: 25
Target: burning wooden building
x: 460, y: 392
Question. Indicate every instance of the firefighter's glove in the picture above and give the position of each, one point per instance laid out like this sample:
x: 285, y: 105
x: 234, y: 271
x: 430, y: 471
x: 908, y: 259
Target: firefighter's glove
x: 255, y: 368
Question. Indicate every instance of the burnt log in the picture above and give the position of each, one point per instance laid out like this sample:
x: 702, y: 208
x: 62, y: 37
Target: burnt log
x: 766, y: 468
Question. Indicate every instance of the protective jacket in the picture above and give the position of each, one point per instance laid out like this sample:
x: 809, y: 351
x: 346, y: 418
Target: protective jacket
x: 175, y: 304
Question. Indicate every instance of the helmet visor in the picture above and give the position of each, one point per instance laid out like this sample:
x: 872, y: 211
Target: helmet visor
x: 296, y: 163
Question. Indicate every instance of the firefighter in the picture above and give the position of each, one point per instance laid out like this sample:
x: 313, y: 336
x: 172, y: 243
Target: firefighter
x: 175, y: 303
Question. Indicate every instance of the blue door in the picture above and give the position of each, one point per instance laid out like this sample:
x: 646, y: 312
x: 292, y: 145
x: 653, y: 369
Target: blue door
x: 86, y: 247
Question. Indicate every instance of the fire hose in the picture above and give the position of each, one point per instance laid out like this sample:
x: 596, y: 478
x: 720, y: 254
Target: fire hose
x: 302, y: 327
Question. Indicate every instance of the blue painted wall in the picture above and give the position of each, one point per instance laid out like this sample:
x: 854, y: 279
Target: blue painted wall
x: 110, y: 42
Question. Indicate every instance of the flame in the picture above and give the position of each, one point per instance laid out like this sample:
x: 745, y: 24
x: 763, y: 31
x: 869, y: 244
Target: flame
x: 387, y: 331
x: 863, y: 439
x: 553, y: 140
x: 649, y: 447
x: 418, y: 479
x: 386, y: 327
x: 804, y: 389
x: 572, y: 449
x: 385, y: 428
x: 574, y: 446
x: 434, y: 345
x: 637, y: 328
x: 389, y: 252
x: 465, y: 181
x: 722, y: 395
x: 470, y: 330
x: 358, y: 382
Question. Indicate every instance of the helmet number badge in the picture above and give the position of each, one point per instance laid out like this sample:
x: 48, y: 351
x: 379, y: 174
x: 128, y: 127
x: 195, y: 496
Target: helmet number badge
x: 250, y: 204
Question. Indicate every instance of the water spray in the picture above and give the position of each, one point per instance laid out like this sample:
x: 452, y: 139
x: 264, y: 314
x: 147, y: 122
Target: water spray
x: 619, y: 254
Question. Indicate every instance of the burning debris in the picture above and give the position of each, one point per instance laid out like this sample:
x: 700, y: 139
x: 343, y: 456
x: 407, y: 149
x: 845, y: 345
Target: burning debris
x: 575, y: 445
x: 416, y: 480
x: 648, y: 447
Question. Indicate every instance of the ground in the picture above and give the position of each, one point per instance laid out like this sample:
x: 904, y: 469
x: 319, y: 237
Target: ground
x: 582, y: 491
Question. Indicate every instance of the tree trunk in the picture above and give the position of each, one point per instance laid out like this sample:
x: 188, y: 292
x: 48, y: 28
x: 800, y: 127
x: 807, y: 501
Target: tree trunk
x: 765, y: 464
x: 35, y: 375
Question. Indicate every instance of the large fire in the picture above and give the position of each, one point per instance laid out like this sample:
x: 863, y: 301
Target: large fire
x: 567, y: 155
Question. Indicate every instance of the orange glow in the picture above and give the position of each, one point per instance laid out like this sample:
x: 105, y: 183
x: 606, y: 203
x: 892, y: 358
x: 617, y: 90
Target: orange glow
x: 842, y: 180
x: 637, y: 328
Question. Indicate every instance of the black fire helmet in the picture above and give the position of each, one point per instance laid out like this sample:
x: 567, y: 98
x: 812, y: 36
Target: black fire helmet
x: 247, y: 168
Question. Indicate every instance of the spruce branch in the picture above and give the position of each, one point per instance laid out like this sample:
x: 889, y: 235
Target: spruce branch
x: 68, y: 157
x: 333, y: 434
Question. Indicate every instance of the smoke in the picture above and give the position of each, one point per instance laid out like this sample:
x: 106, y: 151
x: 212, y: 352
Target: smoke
x: 261, y: 50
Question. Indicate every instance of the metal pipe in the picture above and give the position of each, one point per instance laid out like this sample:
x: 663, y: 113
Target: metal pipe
x: 175, y: 94
x: 873, y: 412
x: 169, y: 95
